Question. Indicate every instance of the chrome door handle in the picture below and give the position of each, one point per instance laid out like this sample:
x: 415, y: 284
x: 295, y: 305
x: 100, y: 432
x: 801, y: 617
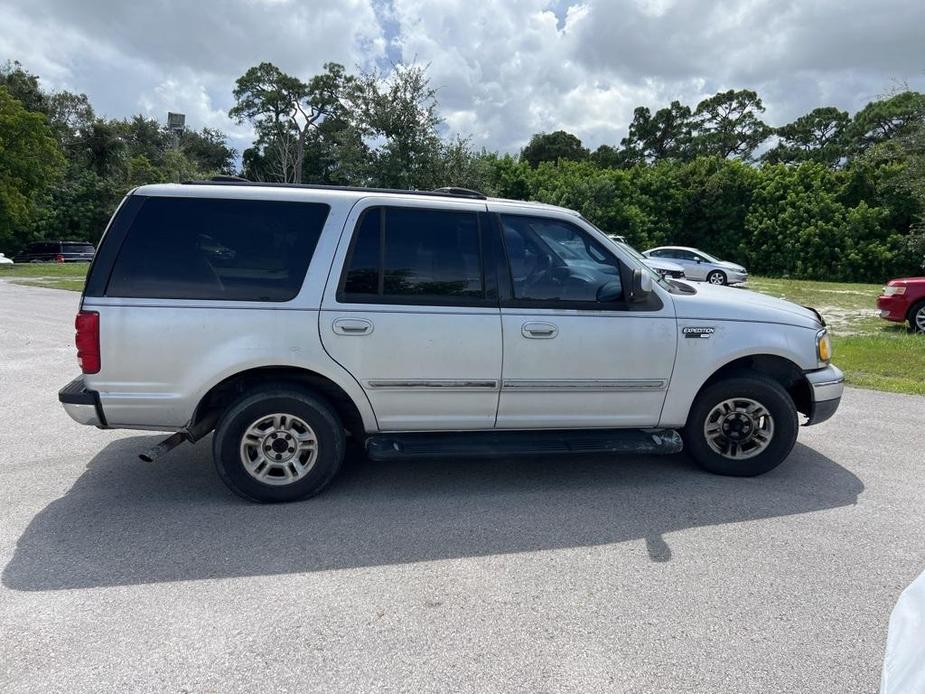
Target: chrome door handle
x: 352, y: 326
x: 539, y: 331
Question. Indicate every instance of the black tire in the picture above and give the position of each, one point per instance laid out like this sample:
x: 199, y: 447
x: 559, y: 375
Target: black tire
x: 716, y: 275
x: 914, y: 325
x: 312, y: 410
x: 772, y: 396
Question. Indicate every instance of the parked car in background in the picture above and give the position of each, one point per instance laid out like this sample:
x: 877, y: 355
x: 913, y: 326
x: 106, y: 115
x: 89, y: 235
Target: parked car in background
x: 699, y: 265
x: 56, y: 252
x: 663, y: 267
x: 903, y: 300
x: 4, y: 260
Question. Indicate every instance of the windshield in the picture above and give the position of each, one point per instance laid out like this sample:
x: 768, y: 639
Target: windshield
x: 709, y: 258
x: 641, y: 260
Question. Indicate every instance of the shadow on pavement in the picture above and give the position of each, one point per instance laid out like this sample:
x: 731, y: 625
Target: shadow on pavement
x: 125, y: 522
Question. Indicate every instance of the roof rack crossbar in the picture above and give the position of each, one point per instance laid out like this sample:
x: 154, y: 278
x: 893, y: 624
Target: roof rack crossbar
x: 439, y: 192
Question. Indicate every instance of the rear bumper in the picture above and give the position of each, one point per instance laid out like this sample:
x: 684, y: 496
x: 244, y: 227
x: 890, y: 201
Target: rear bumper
x: 826, y: 386
x: 82, y: 404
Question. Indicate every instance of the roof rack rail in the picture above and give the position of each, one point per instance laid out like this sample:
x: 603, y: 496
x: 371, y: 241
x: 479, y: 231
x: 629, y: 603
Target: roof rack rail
x: 460, y: 192
x: 439, y: 192
x: 229, y: 179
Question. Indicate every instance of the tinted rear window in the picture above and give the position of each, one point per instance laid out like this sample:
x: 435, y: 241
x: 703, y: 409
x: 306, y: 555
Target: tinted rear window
x: 236, y: 250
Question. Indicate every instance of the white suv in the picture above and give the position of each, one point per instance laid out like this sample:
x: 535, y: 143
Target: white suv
x: 288, y: 318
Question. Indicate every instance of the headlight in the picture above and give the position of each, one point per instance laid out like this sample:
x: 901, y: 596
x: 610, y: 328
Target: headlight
x: 894, y: 289
x: 823, y: 347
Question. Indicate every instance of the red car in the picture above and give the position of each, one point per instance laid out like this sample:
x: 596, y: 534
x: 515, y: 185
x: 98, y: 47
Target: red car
x: 904, y: 300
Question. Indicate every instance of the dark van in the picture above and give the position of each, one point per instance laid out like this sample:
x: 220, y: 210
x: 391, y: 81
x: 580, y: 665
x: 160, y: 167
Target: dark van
x: 56, y: 252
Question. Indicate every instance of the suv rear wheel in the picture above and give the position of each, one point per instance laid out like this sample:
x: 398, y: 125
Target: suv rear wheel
x: 743, y: 426
x: 278, y: 444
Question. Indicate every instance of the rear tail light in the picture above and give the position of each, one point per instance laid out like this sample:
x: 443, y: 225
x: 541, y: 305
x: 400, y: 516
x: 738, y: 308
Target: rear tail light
x: 59, y: 258
x: 88, y: 341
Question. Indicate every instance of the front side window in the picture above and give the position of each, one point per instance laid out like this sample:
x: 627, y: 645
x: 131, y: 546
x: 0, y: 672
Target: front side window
x: 237, y: 250
x: 553, y: 260
x: 407, y: 254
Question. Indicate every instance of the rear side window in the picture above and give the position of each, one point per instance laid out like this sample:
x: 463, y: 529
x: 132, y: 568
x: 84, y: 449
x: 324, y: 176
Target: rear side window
x: 413, y: 255
x: 236, y: 250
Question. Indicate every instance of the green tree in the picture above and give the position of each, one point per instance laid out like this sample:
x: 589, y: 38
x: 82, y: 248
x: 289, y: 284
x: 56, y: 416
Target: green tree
x: 70, y: 116
x: 552, y: 147
x: 30, y: 162
x: 285, y: 110
x: 887, y: 118
x: 208, y: 149
x: 819, y: 135
x: 728, y: 125
x: 665, y: 135
x: 609, y: 157
x: 23, y: 86
x: 399, y: 114
x: 799, y: 224
x: 715, y: 196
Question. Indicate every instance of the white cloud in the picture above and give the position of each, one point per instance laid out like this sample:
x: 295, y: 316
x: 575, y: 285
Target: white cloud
x: 504, y: 68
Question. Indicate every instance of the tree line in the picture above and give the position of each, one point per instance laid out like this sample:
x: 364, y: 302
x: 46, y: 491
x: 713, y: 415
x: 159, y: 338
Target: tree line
x: 829, y: 196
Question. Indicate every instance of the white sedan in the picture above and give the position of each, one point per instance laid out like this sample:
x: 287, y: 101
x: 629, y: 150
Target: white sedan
x: 4, y: 260
x: 665, y: 268
x: 699, y: 265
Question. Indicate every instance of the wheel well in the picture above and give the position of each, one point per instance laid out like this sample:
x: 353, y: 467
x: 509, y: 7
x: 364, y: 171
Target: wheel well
x: 221, y: 395
x: 910, y: 314
x: 782, y: 370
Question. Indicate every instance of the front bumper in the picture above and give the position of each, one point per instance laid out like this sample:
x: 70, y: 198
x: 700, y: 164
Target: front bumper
x: 826, y: 387
x: 733, y: 277
x: 893, y: 307
x: 82, y: 404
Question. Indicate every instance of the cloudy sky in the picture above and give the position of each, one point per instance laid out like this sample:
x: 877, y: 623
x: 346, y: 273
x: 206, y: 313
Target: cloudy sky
x: 504, y: 68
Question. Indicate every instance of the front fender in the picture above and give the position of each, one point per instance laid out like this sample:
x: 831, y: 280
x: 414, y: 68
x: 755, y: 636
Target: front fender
x: 702, y: 353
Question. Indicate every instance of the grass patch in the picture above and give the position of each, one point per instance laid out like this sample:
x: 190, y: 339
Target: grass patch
x: 56, y: 275
x: 872, y: 352
x: 893, y: 362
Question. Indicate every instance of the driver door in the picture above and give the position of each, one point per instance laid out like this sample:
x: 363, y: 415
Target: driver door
x: 571, y: 360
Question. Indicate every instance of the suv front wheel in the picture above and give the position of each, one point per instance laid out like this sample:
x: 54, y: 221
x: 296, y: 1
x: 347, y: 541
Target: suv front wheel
x: 278, y: 444
x: 742, y: 426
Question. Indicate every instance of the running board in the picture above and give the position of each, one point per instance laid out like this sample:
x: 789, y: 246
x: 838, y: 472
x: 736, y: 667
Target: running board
x: 503, y: 444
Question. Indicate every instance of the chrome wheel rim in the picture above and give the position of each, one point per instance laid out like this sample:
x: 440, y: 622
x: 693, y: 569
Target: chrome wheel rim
x: 716, y: 278
x: 279, y: 449
x: 739, y: 428
x: 920, y: 320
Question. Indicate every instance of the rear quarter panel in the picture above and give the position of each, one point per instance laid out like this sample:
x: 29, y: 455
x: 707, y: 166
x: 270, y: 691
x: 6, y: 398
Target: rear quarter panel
x: 159, y: 361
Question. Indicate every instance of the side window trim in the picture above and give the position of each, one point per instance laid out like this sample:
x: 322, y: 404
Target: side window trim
x: 342, y: 297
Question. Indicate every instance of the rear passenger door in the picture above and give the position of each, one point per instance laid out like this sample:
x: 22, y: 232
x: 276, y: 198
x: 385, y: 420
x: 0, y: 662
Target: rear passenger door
x: 411, y: 310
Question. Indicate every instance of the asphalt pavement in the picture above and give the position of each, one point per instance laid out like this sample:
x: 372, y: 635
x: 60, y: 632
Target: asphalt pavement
x: 633, y: 574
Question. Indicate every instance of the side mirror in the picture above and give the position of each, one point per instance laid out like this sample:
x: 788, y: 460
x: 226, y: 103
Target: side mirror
x: 642, y: 285
x: 610, y: 291
x: 699, y: 260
